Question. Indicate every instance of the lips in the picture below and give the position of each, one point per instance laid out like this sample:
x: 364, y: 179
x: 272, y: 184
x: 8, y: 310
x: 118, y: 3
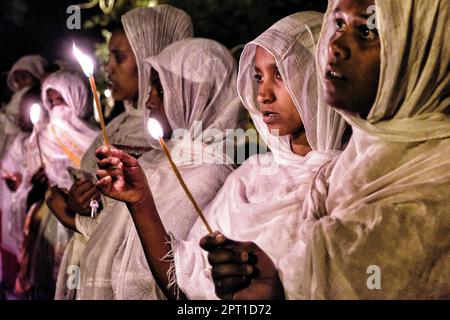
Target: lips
x: 269, y: 116
x: 111, y: 85
x: 333, y: 74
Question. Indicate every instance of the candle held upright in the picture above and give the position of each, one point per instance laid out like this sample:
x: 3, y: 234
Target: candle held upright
x: 88, y: 69
x: 35, y: 115
x: 156, y: 132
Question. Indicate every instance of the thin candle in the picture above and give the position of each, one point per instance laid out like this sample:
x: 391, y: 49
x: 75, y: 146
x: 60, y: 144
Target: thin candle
x: 35, y: 115
x: 156, y: 132
x: 88, y: 69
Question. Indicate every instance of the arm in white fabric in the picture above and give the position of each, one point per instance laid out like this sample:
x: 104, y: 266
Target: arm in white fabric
x: 382, y: 250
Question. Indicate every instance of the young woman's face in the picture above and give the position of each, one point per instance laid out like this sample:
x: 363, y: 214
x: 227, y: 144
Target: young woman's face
x: 121, y: 68
x: 353, y: 68
x: 55, y: 98
x: 155, y: 103
x: 275, y: 102
x: 24, y: 79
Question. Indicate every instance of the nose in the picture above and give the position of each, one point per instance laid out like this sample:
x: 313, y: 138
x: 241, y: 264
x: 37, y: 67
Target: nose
x: 339, y: 47
x: 265, y: 93
x: 108, y: 66
x: 151, y: 102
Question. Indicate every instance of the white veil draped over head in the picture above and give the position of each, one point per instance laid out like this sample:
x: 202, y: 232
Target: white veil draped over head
x: 9, y: 126
x: 198, y: 77
x: 33, y: 64
x: 148, y: 30
x: 381, y: 208
x: 262, y: 200
x: 63, y: 140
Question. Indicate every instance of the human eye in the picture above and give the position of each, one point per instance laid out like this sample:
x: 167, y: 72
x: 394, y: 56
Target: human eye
x: 339, y: 24
x: 367, y: 33
x: 257, y: 77
x: 278, y: 74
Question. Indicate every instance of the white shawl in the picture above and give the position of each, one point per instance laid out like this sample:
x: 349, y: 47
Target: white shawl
x: 149, y: 30
x: 113, y: 264
x: 262, y: 200
x: 381, y: 210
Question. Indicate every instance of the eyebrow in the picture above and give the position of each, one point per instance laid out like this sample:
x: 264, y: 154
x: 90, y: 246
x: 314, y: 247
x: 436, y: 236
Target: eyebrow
x: 270, y: 65
x: 364, y: 16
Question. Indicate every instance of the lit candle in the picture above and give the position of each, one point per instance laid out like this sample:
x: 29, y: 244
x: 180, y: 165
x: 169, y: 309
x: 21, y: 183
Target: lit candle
x: 35, y: 115
x: 155, y: 130
x: 88, y: 69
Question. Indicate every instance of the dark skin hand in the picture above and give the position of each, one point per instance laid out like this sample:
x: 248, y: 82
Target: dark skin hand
x: 40, y: 185
x: 241, y: 270
x: 80, y: 195
x: 13, y: 180
x: 122, y: 178
x: 58, y: 204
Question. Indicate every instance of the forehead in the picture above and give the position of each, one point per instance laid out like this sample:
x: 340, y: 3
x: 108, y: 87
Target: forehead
x: 119, y: 41
x: 354, y: 7
x: 52, y: 94
x: 264, y: 57
x: 22, y: 73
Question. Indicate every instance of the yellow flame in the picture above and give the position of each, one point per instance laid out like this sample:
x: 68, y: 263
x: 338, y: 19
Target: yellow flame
x: 84, y: 61
x: 154, y: 128
x: 35, y: 113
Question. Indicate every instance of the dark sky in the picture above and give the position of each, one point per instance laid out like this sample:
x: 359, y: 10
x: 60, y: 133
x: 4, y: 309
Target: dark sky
x: 30, y: 26
x: 39, y: 26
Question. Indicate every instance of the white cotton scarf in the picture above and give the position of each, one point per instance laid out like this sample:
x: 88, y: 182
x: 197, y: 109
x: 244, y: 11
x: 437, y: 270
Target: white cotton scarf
x: 262, y: 200
x: 376, y: 220
x: 114, y: 264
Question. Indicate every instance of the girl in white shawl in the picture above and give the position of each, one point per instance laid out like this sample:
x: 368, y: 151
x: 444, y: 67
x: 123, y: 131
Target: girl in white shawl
x: 376, y: 219
x: 198, y: 78
x: 63, y: 141
x: 13, y: 165
x: 25, y: 73
x: 261, y: 200
x: 146, y: 31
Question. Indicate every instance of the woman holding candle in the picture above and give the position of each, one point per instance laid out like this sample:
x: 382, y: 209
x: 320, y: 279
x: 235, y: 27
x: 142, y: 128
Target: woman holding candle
x: 13, y: 164
x: 261, y: 200
x: 25, y: 73
x: 144, y: 32
x: 376, y: 221
x: 193, y: 95
x: 63, y: 141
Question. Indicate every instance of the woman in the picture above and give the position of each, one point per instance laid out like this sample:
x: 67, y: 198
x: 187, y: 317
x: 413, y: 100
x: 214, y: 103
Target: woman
x: 192, y: 83
x: 260, y: 201
x: 27, y: 72
x: 13, y: 165
x: 146, y: 31
x: 379, y: 231
x: 63, y: 142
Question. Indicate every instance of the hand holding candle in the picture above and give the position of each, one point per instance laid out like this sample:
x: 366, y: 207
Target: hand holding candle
x: 88, y: 69
x: 35, y: 115
x: 156, y: 132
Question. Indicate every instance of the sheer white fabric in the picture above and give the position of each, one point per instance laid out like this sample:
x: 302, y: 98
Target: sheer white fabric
x: 262, y: 200
x: 383, y: 204
x: 113, y: 263
x: 63, y: 141
x: 149, y: 30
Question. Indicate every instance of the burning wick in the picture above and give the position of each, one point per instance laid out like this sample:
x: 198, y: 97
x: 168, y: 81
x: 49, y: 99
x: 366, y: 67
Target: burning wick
x: 155, y: 130
x: 35, y: 115
x: 88, y: 69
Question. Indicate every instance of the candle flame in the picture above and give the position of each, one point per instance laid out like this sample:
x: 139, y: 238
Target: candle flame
x: 154, y: 128
x: 84, y: 61
x: 35, y: 113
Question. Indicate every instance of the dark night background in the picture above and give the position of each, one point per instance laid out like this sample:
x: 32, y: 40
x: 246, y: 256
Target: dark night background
x: 29, y: 26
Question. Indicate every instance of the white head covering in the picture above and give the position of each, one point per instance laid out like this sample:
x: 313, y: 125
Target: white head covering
x: 73, y: 89
x: 200, y: 77
x: 381, y: 208
x: 34, y: 64
x: 262, y: 200
x: 149, y: 30
x: 113, y: 264
x: 63, y: 140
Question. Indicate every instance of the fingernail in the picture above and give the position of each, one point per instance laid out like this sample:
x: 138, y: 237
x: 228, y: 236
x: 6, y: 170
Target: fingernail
x: 249, y: 269
x: 244, y: 256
